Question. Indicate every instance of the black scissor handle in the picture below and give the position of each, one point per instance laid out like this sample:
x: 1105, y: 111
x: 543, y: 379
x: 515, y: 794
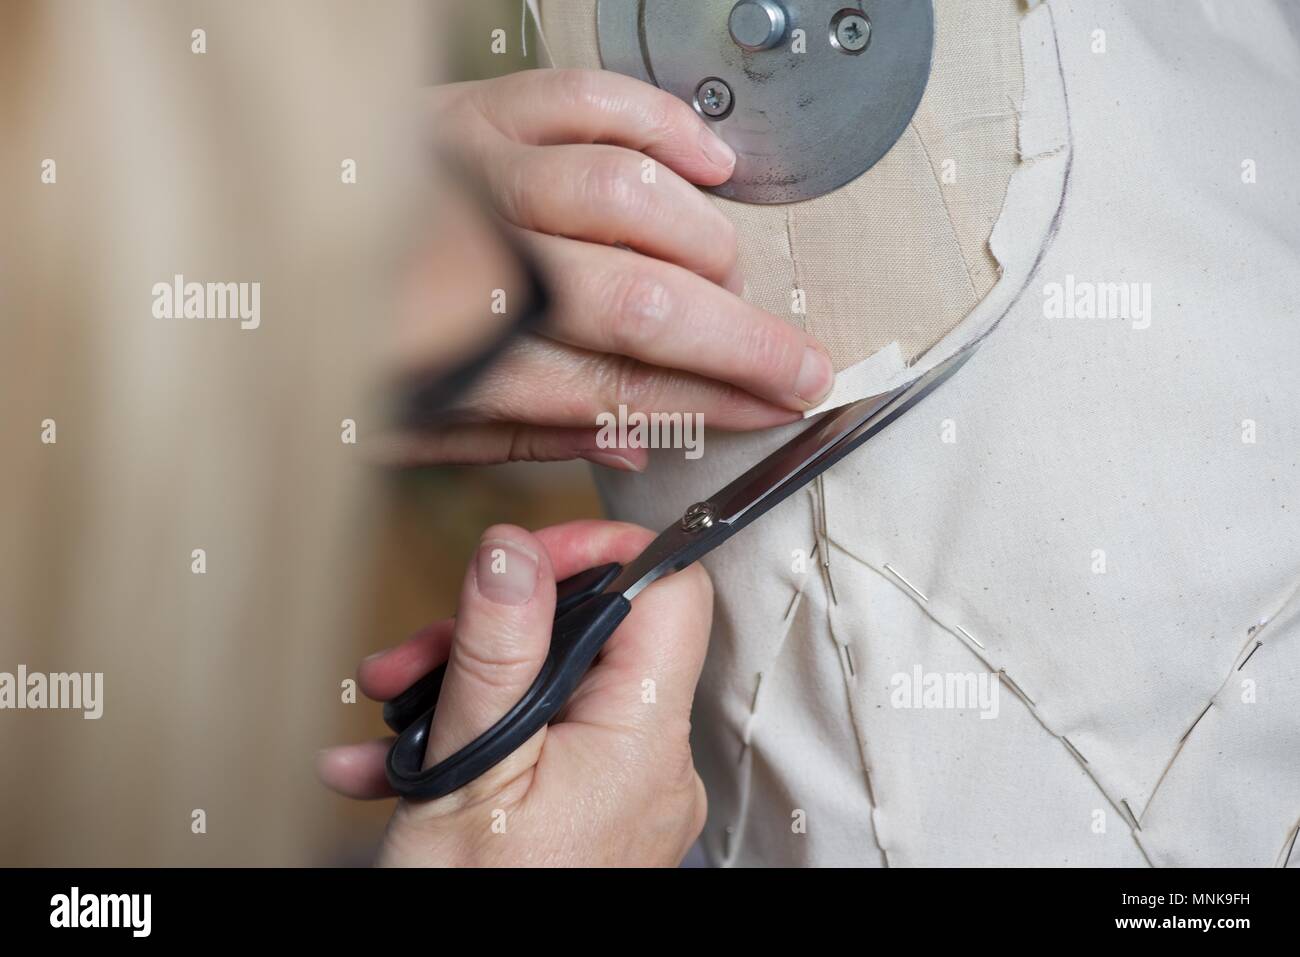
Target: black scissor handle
x: 403, y: 711
x: 584, y: 620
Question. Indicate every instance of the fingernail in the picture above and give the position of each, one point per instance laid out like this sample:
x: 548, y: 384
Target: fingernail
x: 376, y: 654
x: 506, y: 573
x: 816, y: 375
x: 612, y: 460
x: 718, y: 152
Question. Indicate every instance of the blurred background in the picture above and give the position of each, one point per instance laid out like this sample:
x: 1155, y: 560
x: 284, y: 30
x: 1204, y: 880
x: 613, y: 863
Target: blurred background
x: 433, y: 516
x: 219, y: 688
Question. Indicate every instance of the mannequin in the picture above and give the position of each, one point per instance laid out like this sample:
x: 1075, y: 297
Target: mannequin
x: 1089, y: 513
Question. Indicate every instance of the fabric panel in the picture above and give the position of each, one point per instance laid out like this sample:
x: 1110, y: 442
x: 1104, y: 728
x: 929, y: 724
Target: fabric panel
x: 901, y: 253
x: 1114, y: 515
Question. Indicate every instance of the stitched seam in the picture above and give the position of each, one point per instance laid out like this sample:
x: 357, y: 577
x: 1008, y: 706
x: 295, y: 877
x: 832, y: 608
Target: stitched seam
x: 1119, y: 804
x: 856, y: 726
x: 804, y: 317
x: 1053, y: 229
x: 952, y: 223
x: 1246, y: 653
x: 860, y: 737
x: 1288, y: 845
x: 735, y: 831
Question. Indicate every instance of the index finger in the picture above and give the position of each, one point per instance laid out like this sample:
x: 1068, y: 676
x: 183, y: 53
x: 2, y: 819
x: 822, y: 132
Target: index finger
x: 550, y: 107
x: 577, y: 546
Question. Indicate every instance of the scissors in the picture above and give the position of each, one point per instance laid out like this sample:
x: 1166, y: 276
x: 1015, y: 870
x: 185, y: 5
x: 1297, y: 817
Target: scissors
x: 591, y: 604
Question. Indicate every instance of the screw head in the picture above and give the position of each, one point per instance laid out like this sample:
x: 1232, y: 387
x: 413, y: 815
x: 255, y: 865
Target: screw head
x: 698, y: 516
x: 713, y: 97
x: 850, y: 31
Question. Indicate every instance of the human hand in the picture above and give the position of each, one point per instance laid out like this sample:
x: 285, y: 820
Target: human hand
x: 611, y: 781
x: 646, y: 311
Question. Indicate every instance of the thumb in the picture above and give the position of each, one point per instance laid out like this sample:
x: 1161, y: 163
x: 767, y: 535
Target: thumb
x: 503, y: 631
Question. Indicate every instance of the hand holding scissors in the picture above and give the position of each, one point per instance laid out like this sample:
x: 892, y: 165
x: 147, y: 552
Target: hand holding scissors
x: 591, y: 606
x: 554, y: 800
x: 581, y: 768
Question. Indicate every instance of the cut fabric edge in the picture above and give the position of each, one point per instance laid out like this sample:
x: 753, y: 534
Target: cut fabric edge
x: 1028, y: 223
x: 905, y: 277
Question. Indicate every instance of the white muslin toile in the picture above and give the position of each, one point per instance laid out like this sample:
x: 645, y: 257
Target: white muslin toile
x: 1101, y: 510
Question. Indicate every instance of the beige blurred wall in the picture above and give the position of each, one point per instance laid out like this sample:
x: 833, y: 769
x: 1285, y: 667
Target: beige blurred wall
x: 176, y: 434
x: 431, y: 518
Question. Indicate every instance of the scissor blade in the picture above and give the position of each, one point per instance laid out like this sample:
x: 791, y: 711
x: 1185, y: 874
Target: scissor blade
x: 816, y: 449
x: 778, y: 476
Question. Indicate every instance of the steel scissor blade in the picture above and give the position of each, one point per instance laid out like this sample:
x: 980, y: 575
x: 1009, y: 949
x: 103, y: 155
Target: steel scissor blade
x: 588, y: 611
x: 708, y: 524
x: 816, y: 449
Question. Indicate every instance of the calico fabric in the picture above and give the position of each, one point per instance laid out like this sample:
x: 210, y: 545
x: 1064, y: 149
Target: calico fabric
x: 1101, y: 511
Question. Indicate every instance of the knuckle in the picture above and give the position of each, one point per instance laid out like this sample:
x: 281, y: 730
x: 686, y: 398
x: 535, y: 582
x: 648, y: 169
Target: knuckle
x: 517, y: 198
x: 640, y: 305
x: 611, y: 182
x: 573, y: 87
x: 665, y: 117
x: 772, y: 351
x: 717, y: 250
x: 495, y: 661
x: 661, y: 119
x: 727, y: 248
x: 451, y: 97
x: 524, y: 445
x: 471, y: 109
x: 631, y: 383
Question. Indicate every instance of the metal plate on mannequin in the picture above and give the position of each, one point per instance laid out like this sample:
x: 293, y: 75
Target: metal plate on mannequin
x: 809, y: 93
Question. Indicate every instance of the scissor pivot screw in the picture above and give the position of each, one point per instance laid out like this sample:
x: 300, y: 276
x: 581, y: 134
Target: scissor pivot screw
x: 698, y: 516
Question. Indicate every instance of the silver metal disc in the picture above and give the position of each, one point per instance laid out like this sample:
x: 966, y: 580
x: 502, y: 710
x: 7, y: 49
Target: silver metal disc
x: 815, y: 109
